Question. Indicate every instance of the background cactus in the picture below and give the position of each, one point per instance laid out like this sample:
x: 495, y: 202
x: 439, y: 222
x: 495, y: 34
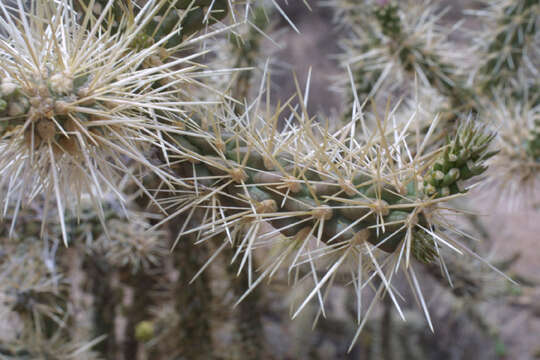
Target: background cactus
x: 133, y: 129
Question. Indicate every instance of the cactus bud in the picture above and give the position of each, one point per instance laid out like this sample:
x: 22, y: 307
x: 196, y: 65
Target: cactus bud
x: 451, y: 177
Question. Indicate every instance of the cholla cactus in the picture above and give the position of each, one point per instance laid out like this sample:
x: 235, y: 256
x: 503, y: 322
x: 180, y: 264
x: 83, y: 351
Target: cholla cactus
x: 510, y: 41
x: 103, y: 115
x: 34, y: 305
x: 329, y: 196
x: 515, y: 171
x: 399, y: 45
x: 78, y: 100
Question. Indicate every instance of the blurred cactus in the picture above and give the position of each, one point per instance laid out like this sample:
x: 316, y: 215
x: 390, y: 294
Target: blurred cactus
x: 403, y: 41
x: 511, y: 44
x: 517, y: 168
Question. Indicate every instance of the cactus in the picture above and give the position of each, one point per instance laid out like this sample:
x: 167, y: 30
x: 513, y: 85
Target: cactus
x: 403, y: 45
x: 123, y: 136
x: 511, y: 44
x: 515, y: 171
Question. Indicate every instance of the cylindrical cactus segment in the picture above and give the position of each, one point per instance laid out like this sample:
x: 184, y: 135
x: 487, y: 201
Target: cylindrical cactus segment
x: 388, y: 214
x: 517, y: 23
x: 181, y: 18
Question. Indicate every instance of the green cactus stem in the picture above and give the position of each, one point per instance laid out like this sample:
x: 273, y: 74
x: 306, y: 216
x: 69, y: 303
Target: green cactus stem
x: 461, y: 160
x: 295, y: 194
x: 518, y: 23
